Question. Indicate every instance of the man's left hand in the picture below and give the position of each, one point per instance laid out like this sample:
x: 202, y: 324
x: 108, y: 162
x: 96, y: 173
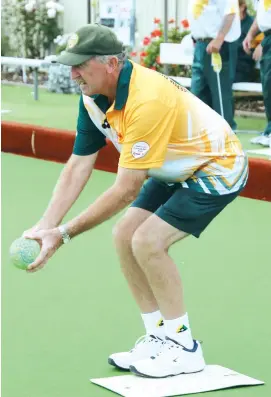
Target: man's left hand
x: 50, y: 240
x: 214, y: 46
x: 258, y: 53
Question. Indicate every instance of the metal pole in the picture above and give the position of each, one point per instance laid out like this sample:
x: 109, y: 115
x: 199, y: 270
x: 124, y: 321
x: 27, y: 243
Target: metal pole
x: 133, y: 24
x: 176, y: 13
x: 89, y: 10
x: 165, y: 30
x: 220, y: 94
x: 36, y: 84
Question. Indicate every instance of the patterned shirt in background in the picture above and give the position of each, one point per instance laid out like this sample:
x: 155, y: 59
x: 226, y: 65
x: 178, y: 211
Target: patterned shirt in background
x: 206, y: 18
x: 158, y: 125
x: 263, y: 8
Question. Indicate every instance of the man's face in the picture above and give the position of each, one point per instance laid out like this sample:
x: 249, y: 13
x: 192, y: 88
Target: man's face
x: 90, y: 76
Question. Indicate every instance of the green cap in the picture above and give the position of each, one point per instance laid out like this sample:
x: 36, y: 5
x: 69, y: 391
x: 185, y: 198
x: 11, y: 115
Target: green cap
x: 93, y: 39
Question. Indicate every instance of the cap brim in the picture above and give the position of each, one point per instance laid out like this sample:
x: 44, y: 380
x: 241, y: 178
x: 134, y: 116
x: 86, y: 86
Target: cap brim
x: 71, y: 59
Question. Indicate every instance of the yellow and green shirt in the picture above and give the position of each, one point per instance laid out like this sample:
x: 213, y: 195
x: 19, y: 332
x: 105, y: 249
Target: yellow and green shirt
x: 158, y: 125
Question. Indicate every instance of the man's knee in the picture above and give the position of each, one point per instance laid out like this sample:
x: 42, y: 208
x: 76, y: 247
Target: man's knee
x: 146, y: 245
x: 123, y: 232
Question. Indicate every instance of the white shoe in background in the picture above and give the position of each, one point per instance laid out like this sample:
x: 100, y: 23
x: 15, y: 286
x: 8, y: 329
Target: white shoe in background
x: 256, y: 139
x: 265, y: 141
x: 261, y: 140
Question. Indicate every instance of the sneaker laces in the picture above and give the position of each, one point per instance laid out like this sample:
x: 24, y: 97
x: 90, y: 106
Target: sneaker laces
x: 169, y: 348
x: 147, y: 339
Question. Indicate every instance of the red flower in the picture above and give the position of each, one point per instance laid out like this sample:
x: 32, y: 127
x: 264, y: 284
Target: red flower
x: 143, y: 54
x: 185, y: 23
x: 146, y: 40
x: 133, y: 54
x: 158, y: 59
x: 156, y: 33
x: 157, y: 20
x: 172, y: 20
x: 153, y: 67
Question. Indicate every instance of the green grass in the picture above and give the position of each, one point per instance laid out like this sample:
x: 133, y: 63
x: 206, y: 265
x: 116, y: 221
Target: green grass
x: 60, y: 324
x: 60, y: 111
x: 51, y: 110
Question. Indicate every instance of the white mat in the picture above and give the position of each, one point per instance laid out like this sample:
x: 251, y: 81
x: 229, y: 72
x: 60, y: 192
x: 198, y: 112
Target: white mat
x: 264, y: 152
x: 214, y: 377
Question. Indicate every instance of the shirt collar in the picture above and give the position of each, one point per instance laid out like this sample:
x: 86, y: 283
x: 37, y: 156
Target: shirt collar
x: 122, y: 90
x: 123, y: 85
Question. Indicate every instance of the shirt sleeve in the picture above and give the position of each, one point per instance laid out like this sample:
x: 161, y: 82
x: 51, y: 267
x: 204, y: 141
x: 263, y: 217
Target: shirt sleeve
x: 230, y: 7
x: 147, y: 134
x: 89, y: 138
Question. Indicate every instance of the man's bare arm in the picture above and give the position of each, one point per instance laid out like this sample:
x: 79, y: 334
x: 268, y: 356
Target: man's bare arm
x: 215, y: 45
x: 116, y: 198
x: 253, y: 31
x: 71, y: 182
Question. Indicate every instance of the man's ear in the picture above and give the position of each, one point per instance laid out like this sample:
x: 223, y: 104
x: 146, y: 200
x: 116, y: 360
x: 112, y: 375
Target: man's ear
x: 112, y: 65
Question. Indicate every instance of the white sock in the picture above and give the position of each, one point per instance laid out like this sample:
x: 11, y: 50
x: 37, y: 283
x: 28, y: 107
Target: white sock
x: 154, y: 323
x: 179, y: 330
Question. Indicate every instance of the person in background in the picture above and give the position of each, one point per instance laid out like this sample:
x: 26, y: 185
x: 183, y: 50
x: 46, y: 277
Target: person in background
x: 262, y: 23
x: 245, y: 68
x: 215, y: 26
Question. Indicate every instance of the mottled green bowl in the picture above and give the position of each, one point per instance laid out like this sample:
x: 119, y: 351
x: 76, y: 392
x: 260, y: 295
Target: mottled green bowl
x: 23, y: 251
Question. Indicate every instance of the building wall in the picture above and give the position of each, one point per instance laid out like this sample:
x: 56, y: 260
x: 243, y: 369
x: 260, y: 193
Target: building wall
x: 75, y: 14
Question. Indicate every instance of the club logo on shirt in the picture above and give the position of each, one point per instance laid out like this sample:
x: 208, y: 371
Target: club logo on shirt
x: 198, y: 7
x: 140, y: 149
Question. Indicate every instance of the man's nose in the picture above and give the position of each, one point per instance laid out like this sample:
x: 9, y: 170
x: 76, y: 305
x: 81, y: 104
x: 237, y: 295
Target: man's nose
x: 74, y: 73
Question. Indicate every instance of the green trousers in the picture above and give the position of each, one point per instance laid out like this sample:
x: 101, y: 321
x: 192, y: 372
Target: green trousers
x: 266, y: 79
x: 204, y: 79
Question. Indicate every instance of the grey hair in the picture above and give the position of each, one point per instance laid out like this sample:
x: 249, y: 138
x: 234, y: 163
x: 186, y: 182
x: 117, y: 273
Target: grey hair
x: 105, y: 58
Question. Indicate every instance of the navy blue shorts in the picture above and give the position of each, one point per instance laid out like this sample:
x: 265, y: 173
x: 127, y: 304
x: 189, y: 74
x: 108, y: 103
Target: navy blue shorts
x: 184, y: 208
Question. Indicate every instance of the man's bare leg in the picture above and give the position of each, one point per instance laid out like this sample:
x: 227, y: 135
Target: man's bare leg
x: 137, y: 281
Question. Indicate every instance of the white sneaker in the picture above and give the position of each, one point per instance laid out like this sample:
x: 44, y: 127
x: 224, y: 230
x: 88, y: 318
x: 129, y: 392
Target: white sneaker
x: 265, y: 140
x: 261, y: 140
x: 145, y: 347
x: 174, y: 359
x: 256, y: 139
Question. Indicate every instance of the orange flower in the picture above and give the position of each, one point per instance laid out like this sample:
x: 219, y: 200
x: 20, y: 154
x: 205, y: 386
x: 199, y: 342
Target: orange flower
x: 143, y: 54
x: 156, y: 33
x: 185, y: 23
x: 157, y: 20
x: 172, y: 20
x: 153, y: 67
x: 146, y: 40
x: 158, y: 59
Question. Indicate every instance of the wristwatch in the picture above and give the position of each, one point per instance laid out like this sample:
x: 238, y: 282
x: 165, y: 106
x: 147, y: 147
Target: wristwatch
x: 65, y: 235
